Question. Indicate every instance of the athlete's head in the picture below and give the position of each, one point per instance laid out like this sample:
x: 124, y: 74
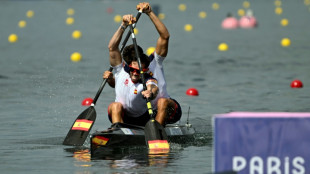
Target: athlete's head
x: 129, y: 55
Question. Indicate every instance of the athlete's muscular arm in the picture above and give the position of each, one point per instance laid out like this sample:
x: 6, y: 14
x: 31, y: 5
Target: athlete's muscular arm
x: 163, y: 40
x: 115, y: 54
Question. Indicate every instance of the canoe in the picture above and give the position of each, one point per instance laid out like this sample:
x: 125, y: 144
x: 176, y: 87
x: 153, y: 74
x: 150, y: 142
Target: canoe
x: 126, y: 135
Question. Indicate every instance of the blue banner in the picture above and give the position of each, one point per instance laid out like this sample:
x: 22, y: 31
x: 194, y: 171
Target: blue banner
x: 262, y: 143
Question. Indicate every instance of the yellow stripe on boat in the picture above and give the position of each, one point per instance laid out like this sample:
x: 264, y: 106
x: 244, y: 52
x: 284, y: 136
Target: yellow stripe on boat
x: 158, y: 144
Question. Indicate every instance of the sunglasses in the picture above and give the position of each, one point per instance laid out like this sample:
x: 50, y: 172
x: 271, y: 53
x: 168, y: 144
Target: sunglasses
x: 137, y: 70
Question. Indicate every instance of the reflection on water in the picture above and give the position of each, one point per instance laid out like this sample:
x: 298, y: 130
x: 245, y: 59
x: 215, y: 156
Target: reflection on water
x: 82, y: 155
x: 122, y: 158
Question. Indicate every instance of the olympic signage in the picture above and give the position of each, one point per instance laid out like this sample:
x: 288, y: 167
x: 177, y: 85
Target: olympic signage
x: 262, y: 142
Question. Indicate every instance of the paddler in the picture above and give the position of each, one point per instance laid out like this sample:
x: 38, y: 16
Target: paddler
x: 167, y: 109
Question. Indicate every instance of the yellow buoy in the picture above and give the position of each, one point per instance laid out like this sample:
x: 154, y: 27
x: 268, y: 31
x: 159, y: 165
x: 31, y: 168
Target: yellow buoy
x: 76, y: 34
x: 277, y: 3
x: 118, y: 18
x: 22, y: 24
x: 241, y: 12
x: 284, y: 22
x: 223, y: 47
x: 215, y: 6
x: 202, y: 14
x: 285, y: 42
x: 69, y: 21
x: 246, y: 4
x: 278, y: 10
x: 307, y: 2
x: 150, y: 50
x: 188, y: 27
x: 70, y: 11
x: 76, y: 57
x: 182, y: 7
x: 12, y: 38
x: 161, y: 16
x: 30, y: 14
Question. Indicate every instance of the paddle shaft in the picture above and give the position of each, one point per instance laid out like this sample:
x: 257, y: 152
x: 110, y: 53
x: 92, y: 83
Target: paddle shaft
x: 101, y: 88
x: 148, y: 103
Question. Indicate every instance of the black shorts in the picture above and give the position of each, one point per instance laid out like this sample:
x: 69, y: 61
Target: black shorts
x: 140, y: 121
x: 174, y: 115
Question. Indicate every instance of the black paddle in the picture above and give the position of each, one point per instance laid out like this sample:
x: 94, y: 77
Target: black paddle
x: 155, y: 134
x: 84, y: 122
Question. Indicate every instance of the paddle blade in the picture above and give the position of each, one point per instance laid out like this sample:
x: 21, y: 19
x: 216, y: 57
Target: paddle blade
x: 81, y: 128
x: 155, y: 135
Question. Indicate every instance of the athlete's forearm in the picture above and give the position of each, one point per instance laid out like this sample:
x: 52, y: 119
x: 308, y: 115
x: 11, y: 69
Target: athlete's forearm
x: 159, y: 25
x: 116, y: 38
x: 115, y: 54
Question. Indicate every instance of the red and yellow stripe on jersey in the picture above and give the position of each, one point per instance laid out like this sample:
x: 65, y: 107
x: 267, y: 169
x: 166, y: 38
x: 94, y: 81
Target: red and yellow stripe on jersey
x: 82, y: 124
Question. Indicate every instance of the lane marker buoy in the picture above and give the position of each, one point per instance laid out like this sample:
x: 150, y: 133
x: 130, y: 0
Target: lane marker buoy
x: 296, y: 84
x: 150, y: 50
x: 192, y: 92
x: 188, y: 27
x: 70, y: 11
x: 30, y: 14
x: 285, y: 42
x: 182, y: 7
x: 22, y: 24
x: 76, y: 57
x: 69, y: 20
x: 76, y: 34
x: 87, y: 101
x: 223, y: 47
x: 12, y: 38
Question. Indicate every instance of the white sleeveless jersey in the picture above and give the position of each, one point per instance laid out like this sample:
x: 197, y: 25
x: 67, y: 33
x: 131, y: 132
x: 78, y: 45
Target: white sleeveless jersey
x: 156, y: 67
x: 129, y: 93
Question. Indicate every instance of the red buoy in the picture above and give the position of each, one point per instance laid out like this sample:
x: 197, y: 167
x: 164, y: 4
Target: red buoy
x: 87, y: 101
x: 192, y: 91
x: 110, y: 10
x: 296, y: 84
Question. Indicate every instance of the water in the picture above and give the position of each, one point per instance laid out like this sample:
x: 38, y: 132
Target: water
x: 41, y: 89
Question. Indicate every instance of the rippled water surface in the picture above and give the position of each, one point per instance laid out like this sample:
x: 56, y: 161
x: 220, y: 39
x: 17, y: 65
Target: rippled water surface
x: 41, y: 89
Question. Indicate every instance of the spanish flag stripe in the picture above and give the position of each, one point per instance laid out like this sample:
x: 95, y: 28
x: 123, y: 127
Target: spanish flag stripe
x: 99, y: 140
x: 158, y: 144
x: 82, y: 124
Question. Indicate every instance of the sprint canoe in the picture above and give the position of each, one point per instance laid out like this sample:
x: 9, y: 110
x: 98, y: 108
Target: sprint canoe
x: 126, y: 135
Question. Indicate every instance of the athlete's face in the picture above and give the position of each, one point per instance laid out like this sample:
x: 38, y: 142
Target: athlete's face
x: 134, y: 71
